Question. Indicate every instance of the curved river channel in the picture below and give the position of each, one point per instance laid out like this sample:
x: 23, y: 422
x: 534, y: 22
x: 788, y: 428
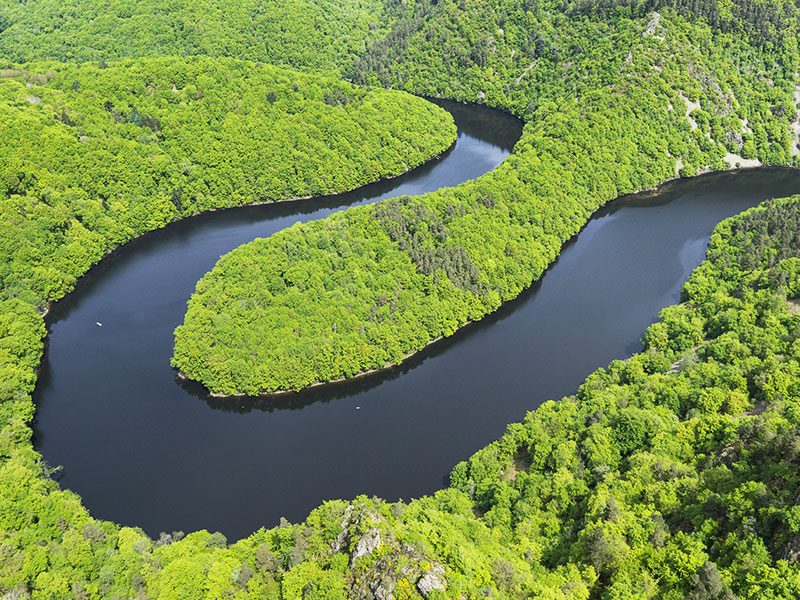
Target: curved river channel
x: 143, y: 448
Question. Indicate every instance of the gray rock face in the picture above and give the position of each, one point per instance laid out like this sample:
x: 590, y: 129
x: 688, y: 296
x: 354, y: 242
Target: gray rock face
x: 429, y: 582
x: 384, y: 591
x: 652, y: 25
x: 368, y: 543
x: 792, y: 550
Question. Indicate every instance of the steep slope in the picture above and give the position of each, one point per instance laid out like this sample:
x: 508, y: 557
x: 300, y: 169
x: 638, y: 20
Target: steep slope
x: 608, y: 112
x: 672, y: 475
x: 321, y: 35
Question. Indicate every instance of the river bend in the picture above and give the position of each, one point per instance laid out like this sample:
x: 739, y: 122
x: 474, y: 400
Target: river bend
x: 144, y: 449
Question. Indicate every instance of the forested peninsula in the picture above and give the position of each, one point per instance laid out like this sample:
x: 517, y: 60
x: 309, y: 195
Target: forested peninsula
x: 612, y: 104
x: 670, y: 475
x: 94, y: 156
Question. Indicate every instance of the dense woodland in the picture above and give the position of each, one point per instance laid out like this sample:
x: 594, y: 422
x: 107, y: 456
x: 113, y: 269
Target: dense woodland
x: 670, y: 475
x: 93, y: 156
x: 606, y: 114
x: 318, y: 35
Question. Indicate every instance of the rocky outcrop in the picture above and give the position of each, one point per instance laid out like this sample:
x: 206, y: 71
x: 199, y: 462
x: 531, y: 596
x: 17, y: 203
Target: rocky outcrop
x: 368, y: 543
x: 432, y: 580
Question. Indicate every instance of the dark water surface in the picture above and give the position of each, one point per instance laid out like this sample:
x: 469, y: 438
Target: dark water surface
x: 143, y: 449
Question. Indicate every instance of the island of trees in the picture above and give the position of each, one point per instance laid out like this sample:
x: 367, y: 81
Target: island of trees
x: 670, y: 475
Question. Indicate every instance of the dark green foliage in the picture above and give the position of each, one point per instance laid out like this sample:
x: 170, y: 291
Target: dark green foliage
x: 419, y: 232
x: 307, y: 34
x: 763, y: 239
x: 632, y: 430
x: 707, y: 584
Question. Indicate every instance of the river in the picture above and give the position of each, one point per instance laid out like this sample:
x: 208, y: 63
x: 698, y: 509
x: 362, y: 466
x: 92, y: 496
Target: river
x: 143, y: 448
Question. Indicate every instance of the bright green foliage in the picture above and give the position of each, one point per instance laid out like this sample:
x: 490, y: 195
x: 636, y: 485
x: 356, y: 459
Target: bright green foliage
x: 91, y: 157
x: 672, y: 475
x: 320, y: 35
x: 363, y: 290
x: 637, y: 487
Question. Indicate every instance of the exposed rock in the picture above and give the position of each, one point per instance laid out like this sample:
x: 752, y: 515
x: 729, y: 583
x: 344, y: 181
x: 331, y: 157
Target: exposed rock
x: 344, y: 534
x: 384, y: 590
x: 33, y: 99
x: 432, y: 580
x: 368, y: 543
x: 690, y: 106
x: 18, y: 593
x: 736, y: 138
x: 528, y: 68
x: 728, y: 456
x: 735, y: 160
x: 168, y: 538
x: 652, y: 25
x: 398, y: 565
x: 796, y: 125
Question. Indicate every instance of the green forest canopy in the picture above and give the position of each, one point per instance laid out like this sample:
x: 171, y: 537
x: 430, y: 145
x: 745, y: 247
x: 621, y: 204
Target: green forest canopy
x: 319, y: 35
x: 93, y: 156
x: 364, y: 289
x: 669, y: 475
x: 672, y: 475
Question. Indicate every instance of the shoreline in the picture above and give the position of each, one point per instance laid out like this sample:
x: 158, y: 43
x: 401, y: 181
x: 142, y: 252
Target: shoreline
x: 318, y: 384
x: 112, y: 251
x: 389, y: 366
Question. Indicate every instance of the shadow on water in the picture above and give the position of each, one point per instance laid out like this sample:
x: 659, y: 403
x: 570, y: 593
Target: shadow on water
x: 108, y: 410
x: 490, y: 127
x: 368, y: 381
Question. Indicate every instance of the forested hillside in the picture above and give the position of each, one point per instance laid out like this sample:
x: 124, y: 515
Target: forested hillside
x: 619, y: 105
x: 519, y: 52
x: 671, y: 475
x: 93, y: 156
x: 319, y: 35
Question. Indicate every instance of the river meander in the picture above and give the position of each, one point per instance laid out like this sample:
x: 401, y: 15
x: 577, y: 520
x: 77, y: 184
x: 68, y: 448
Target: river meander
x: 143, y: 448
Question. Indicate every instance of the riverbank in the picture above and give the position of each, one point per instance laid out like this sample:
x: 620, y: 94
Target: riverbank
x: 421, y: 417
x: 110, y: 253
x: 139, y: 296
x: 642, y: 194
